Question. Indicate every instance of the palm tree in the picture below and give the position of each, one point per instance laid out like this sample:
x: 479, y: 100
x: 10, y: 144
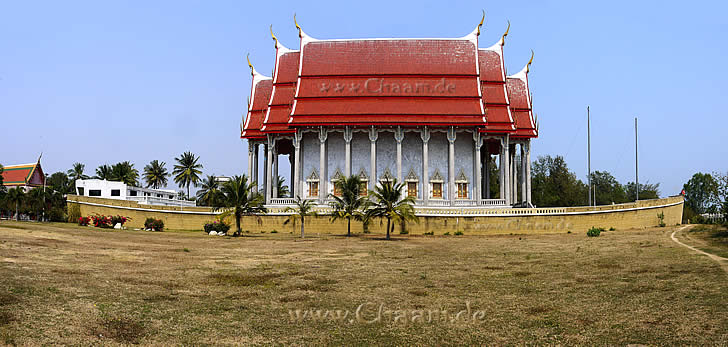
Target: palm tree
x: 303, y: 209
x: 350, y: 203
x: 209, y: 191
x: 281, y: 188
x: 187, y: 171
x: 125, y: 172
x: 103, y: 172
x: 156, y: 174
x: 237, y: 199
x: 76, y: 173
x: 387, y: 202
x: 15, y: 196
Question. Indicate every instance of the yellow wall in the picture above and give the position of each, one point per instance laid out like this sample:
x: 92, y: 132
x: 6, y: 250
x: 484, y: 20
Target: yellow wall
x: 642, y: 214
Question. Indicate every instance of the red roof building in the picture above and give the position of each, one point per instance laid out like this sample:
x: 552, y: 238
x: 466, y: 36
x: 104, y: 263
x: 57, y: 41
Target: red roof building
x: 26, y: 176
x: 445, y: 90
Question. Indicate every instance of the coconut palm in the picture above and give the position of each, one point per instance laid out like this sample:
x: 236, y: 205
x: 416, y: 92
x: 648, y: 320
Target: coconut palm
x: 125, y: 172
x: 103, y: 172
x: 76, y: 173
x: 281, y: 188
x: 209, y: 191
x: 350, y: 203
x: 237, y: 199
x: 387, y: 201
x: 156, y: 174
x: 15, y: 196
x: 303, y: 209
x: 187, y: 171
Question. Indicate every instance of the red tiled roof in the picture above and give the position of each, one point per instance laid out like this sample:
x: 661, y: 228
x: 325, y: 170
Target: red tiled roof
x: 493, y: 88
x: 259, y: 96
x: 21, y: 175
x: 388, y: 82
x: 284, y: 89
x: 521, y: 106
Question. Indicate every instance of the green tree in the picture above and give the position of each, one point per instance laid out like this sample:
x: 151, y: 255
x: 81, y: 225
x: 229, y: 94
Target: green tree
x: 187, y: 171
x: 701, y: 193
x: 2, y: 187
x: 387, y: 201
x: 238, y: 199
x: 103, y: 172
x: 59, y: 182
x: 608, y: 189
x: 76, y: 173
x: 349, y: 205
x: 303, y: 209
x: 155, y: 174
x: 15, y: 196
x: 281, y: 188
x: 209, y: 191
x: 125, y: 172
x: 554, y: 185
x: 36, y: 200
x: 647, y: 191
x: 722, y: 181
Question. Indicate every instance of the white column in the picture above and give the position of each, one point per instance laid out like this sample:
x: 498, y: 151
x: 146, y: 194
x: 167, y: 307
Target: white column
x: 425, y: 136
x: 512, y: 184
x: 487, y: 173
x: 524, y: 186
x: 348, y: 135
x: 323, y: 179
x: 269, y: 169
x: 398, y: 137
x: 373, y: 135
x: 274, y: 186
x: 528, y: 173
x: 296, y: 178
x: 477, y: 142
x: 256, y: 159
x: 451, y: 164
x: 501, y: 169
x: 506, y: 171
x: 251, y: 149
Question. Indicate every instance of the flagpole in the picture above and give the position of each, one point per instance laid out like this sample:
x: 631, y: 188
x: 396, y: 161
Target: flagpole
x: 588, y: 152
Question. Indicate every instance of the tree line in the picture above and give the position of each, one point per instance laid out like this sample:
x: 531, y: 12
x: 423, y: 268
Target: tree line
x: 706, y: 193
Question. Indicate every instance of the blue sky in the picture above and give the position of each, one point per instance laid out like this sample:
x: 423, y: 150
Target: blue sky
x: 102, y: 82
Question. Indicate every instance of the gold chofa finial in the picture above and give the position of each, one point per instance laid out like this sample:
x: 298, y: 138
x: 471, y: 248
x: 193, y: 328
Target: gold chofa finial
x: 503, y: 40
x: 481, y: 23
x: 249, y: 64
x: 297, y: 26
x: 528, y: 66
x: 273, y: 35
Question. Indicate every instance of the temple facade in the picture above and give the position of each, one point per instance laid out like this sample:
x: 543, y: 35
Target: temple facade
x: 432, y: 113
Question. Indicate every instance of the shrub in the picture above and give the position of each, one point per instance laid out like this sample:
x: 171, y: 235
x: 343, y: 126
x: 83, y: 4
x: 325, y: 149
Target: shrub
x: 430, y: 233
x: 274, y: 231
x: 220, y: 227
x: 101, y: 221
x: 458, y: 233
x: 594, y: 232
x: 403, y: 232
x: 83, y: 221
x: 154, y: 224
x: 118, y: 219
x: 661, y: 218
x: 74, y: 212
x: 447, y: 233
x: 612, y: 229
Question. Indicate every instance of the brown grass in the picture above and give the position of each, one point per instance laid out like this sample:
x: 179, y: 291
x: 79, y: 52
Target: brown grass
x: 61, y: 284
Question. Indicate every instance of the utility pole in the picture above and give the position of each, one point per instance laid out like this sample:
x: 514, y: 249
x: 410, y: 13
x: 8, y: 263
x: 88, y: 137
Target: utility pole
x: 636, y: 164
x: 588, y: 152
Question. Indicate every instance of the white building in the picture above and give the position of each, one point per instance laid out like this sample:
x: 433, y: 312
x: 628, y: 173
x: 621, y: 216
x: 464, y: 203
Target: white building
x: 119, y: 190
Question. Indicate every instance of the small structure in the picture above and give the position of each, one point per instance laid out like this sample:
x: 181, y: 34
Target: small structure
x: 121, y: 191
x: 26, y: 176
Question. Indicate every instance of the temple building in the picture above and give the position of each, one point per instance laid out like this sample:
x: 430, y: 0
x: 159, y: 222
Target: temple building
x: 431, y: 113
x: 25, y: 176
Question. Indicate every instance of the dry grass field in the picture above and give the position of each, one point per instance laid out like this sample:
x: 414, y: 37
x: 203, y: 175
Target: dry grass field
x: 63, y: 284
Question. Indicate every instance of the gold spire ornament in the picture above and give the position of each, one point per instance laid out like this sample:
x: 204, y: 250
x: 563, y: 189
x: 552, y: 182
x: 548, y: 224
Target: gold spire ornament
x: 252, y: 69
x: 481, y: 23
x: 300, y: 32
x: 273, y: 35
x: 528, y: 66
x: 503, y: 39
